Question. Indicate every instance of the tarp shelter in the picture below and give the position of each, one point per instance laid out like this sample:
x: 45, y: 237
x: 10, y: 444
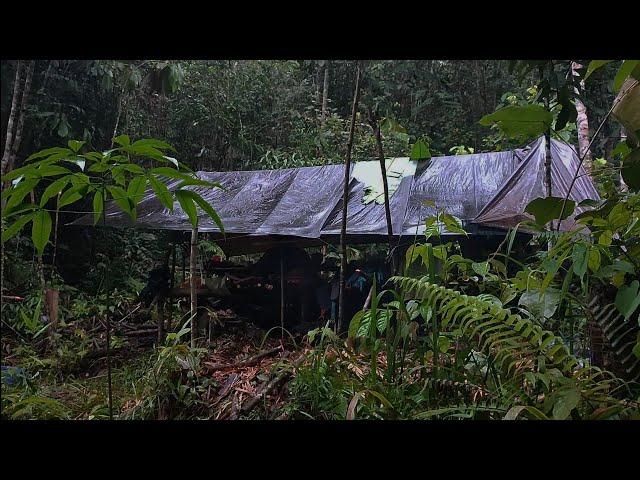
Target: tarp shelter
x: 304, y: 205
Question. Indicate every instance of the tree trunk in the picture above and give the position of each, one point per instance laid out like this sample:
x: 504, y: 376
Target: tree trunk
x: 582, y: 123
x: 21, y: 116
x: 192, y: 286
x: 6, y: 154
x: 375, y: 125
x: 345, y: 201
x: 325, y: 91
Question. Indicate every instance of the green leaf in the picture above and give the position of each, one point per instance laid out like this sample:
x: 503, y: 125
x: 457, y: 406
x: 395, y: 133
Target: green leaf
x: 121, y: 198
x: 481, y: 269
x: 580, y: 259
x: 73, y: 194
x: 187, y: 203
x: 136, y: 188
x: 354, y: 325
x: 52, y: 170
x: 75, y: 145
x: 48, y: 152
x: 17, y: 194
x: 520, y: 121
x: 16, y: 227
x: 420, y: 150
x: 443, y: 344
x: 54, y: 189
x: 623, y: 73
x: 594, y: 65
x: 171, y: 173
x: 98, y: 206
x: 41, y: 230
x: 546, y: 209
x: 122, y: 140
x: 628, y: 299
x: 208, y: 209
x: 565, y: 403
x: 452, y: 224
x: 162, y: 192
x: 631, y: 169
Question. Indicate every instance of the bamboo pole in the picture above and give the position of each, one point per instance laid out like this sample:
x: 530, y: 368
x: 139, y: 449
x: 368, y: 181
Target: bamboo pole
x: 345, y: 201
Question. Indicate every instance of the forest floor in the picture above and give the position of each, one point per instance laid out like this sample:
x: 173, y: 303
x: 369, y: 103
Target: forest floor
x: 235, y: 367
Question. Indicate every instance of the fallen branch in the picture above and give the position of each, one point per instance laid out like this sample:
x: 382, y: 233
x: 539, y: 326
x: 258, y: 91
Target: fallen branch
x: 245, y: 363
x: 267, y: 388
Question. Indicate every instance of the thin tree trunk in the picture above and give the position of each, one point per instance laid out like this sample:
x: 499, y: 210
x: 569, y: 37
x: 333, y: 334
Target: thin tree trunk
x: 192, y: 286
x: 345, y: 202
x: 115, y: 127
x: 6, y: 154
x: 582, y: 123
x: 325, y: 91
x: 21, y: 116
x: 375, y: 125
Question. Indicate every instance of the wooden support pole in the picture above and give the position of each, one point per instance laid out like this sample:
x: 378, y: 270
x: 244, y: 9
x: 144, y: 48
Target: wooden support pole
x: 192, y: 285
x: 160, y: 321
x: 375, y: 125
x: 171, y: 285
x: 345, y: 202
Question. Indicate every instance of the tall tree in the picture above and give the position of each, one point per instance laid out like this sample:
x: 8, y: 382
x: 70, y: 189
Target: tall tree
x: 15, y: 101
x: 345, y: 202
x: 582, y: 121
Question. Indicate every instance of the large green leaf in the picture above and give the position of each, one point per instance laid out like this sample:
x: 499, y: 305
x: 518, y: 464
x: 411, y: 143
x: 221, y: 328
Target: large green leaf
x: 16, y: 226
x: 628, y: 299
x: 162, y: 192
x: 98, y: 206
x: 121, y: 198
x: 517, y: 121
x: 54, y: 189
x: 594, y: 65
x: 187, y: 203
x: 171, y: 173
x: 631, y: 169
x: 546, y: 209
x: 17, y: 194
x: 565, y: 402
x: 136, y: 188
x: 73, y: 194
x: 41, y: 230
x: 208, y: 209
x: 623, y: 73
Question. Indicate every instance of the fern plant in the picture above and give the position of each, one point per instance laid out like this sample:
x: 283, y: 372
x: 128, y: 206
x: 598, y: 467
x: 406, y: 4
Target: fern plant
x: 523, y: 352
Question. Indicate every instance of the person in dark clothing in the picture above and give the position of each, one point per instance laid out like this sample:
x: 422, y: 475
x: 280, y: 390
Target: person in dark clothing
x: 157, y: 284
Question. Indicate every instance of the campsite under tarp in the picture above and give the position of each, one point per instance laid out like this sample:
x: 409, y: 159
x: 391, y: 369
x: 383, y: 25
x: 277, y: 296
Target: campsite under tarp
x: 304, y: 205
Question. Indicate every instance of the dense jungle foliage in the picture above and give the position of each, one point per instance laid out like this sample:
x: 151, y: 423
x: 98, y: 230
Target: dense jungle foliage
x: 546, y: 332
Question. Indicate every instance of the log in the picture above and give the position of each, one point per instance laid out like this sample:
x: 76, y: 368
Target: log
x: 212, y: 367
x: 267, y: 388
